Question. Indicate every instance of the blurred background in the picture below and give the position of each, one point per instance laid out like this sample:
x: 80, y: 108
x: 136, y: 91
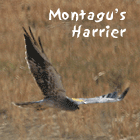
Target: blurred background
x: 80, y: 62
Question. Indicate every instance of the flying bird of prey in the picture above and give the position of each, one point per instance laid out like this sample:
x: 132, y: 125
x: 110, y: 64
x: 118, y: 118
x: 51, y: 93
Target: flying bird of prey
x: 50, y: 83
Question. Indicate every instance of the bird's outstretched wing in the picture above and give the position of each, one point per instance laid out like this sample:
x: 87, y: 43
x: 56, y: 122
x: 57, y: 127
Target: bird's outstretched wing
x: 110, y: 97
x: 44, y: 73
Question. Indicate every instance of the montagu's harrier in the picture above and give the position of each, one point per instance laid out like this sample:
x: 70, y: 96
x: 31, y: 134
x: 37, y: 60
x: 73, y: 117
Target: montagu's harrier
x: 50, y: 83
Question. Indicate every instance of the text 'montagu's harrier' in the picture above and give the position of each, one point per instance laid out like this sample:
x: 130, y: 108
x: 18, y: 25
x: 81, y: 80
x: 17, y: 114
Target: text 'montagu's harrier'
x: 50, y: 83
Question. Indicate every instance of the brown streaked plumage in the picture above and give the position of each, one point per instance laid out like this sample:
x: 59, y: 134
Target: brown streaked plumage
x: 50, y: 83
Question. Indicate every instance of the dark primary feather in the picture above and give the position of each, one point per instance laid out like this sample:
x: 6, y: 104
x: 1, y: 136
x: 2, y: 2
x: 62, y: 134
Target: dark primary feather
x: 124, y: 93
x: 111, y: 95
x: 46, y: 76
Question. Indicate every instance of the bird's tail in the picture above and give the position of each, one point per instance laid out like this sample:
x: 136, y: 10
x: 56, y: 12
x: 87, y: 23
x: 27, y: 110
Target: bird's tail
x: 36, y: 105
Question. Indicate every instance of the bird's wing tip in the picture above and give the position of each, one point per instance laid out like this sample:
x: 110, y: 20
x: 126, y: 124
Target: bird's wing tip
x: 124, y: 93
x: 13, y: 103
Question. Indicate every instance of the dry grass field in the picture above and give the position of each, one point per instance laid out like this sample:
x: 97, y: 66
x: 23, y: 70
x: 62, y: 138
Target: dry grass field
x: 78, y: 61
